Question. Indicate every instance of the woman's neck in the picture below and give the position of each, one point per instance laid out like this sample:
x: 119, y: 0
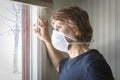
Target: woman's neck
x: 77, y: 49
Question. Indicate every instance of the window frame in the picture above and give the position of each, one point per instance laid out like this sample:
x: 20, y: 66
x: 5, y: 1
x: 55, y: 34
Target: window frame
x: 45, y: 3
x: 32, y: 46
x: 25, y: 43
x: 38, y: 65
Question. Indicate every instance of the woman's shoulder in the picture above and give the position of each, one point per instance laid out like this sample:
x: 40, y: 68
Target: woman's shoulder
x: 92, y: 56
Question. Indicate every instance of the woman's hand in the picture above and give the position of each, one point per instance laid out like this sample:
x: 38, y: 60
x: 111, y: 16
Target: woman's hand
x: 41, y: 29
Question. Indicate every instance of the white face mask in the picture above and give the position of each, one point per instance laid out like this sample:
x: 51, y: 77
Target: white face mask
x: 59, y: 42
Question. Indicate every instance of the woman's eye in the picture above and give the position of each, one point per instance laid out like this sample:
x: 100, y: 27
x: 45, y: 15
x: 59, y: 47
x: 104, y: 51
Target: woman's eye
x: 59, y: 26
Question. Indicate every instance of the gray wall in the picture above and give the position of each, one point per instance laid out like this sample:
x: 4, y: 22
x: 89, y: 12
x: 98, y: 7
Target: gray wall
x: 105, y: 20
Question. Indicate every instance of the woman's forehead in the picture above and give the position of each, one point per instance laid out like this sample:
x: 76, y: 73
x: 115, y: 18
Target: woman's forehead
x: 55, y: 21
x: 62, y: 20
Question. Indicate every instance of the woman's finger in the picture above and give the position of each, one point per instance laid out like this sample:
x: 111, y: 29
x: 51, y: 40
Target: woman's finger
x: 40, y: 21
x: 43, y: 21
x: 37, y: 28
x: 36, y: 31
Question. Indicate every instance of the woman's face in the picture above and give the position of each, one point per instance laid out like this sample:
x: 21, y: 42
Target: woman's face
x: 63, y: 26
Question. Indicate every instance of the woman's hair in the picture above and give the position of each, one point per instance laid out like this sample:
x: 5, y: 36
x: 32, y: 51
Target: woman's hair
x: 78, y: 18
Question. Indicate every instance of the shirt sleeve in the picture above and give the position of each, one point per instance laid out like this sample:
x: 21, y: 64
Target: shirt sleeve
x: 99, y: 70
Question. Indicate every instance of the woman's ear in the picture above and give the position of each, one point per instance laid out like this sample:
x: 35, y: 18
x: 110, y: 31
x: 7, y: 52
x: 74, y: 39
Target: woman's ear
x: 76, y: 31
x: 77, y: 34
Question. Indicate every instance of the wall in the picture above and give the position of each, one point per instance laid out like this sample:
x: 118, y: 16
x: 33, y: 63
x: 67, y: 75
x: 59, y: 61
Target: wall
x: 105, y: 18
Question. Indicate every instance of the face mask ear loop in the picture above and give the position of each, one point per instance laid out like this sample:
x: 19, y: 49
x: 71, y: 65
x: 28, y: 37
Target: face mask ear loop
x: 78, y: 43
x: 74, y: 40
x: 67, y: 36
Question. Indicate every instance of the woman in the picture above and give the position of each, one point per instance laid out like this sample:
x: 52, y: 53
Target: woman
x: 72, y: 34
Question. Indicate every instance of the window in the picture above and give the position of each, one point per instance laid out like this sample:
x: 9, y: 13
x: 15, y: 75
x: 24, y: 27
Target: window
x: 23, y: 55
x: 18, y: 42
x: 11, y: 41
